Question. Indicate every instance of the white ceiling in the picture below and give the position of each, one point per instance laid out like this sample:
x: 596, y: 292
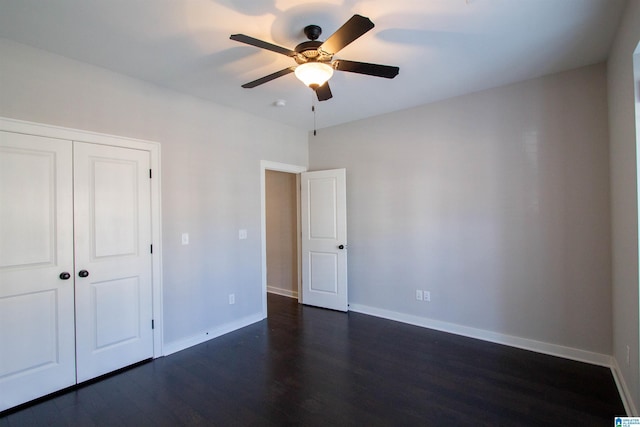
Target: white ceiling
x: 444, y: 48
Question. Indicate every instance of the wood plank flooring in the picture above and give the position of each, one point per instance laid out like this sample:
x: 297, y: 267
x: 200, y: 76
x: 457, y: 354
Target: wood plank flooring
x: 314, y: 367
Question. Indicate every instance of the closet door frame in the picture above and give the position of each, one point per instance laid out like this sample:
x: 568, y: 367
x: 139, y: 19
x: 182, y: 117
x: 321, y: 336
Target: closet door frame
x: 50, y: 131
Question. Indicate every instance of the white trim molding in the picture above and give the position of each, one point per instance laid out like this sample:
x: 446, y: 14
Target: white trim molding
x: 282, y: 292
x: 523, y: 343
x: 512, y: 341
x: 210, y: 334
x: 623, y: 389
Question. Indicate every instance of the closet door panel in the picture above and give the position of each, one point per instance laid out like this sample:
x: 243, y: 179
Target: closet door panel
x: 113, y: 258
x: 37, y: 339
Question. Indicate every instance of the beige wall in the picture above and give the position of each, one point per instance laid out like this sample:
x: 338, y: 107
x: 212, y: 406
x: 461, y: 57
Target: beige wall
x: 282, y: 244
x: 624, y: 199
x: 496, y: 202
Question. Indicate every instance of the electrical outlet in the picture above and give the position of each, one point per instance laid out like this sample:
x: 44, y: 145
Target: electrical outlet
x: 628, y: 355
x: 427, y: 296
x: 418, y: 295
x: 232, y: 298
x: 242, y: 234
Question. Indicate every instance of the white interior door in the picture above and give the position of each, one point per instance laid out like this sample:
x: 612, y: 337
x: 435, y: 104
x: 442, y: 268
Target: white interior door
x: 113, y: 258
x: 37, y: 353
x: 324, y: 239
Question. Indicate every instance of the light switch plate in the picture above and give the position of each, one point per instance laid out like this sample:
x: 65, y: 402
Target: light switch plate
x: 185, y: 238
x: 242, y: 234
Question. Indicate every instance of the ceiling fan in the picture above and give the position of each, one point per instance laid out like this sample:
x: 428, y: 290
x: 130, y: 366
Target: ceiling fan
x: 315, y: 58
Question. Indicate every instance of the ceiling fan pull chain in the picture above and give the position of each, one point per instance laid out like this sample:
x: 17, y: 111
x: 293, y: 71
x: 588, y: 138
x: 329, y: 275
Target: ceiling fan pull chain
x: 313, y: 109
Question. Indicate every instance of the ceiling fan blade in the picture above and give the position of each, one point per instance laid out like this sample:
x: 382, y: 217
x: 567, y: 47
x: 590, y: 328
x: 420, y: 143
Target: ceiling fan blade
x: 324, y: 92
x: 262, y: 44
x: 268, y: 78
x: 386, y: 71
x: 351, y: 30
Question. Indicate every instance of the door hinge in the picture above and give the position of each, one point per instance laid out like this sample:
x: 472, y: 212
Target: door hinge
x: 152, y: 324
x: 151, y: 248
x: 150, y: 174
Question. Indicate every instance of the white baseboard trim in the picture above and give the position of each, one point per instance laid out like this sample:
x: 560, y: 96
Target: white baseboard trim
x: 176, y: 346
x: 623, y: 390
x: 481, y: 334
x: 523, y: 343
x: 282, y: 292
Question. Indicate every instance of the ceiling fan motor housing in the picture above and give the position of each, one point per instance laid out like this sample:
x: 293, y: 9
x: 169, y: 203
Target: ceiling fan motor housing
x: 310, y: 51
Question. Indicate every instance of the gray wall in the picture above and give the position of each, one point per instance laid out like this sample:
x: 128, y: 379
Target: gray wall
x: 210, y: 174
x: 496, y: 202
x: 624, y: 200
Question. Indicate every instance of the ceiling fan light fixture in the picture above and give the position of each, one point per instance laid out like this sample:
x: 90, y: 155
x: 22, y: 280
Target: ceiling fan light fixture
x: 315, y: 58
x: 314, y: 74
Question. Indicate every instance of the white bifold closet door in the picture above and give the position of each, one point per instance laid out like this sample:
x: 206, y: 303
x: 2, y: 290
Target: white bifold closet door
x: 66, y: 320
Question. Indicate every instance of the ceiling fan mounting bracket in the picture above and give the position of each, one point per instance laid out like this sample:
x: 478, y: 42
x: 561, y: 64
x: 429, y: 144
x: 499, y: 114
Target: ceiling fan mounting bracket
x: 312, y: 32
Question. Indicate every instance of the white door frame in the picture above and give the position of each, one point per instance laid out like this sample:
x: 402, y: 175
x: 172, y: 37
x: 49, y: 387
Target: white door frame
x: 279, y: 167
x: 30, y: 128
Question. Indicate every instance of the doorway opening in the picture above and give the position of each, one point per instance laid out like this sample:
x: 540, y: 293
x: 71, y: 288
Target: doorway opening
x: 321, y: 203
x: 284, y: 203
x: 282, y: 230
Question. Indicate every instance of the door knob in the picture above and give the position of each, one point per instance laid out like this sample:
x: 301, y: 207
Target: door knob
x: 83, y: 273
x: 65, y: 276
x: 341, y: 247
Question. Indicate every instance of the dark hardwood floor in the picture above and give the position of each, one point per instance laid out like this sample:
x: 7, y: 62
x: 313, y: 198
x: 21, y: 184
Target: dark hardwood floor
x: 308, y: 366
